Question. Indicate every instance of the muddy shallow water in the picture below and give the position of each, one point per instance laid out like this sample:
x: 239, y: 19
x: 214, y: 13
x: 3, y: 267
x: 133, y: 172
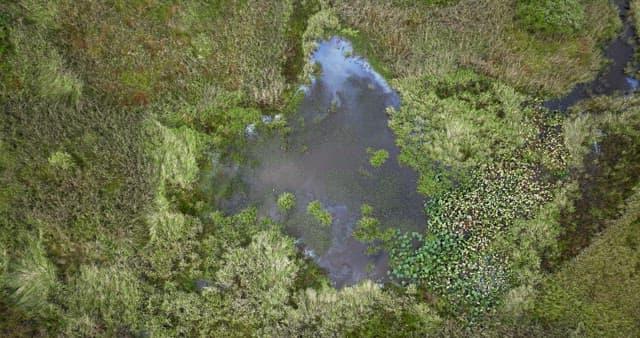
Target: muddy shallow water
x: 325, y: 158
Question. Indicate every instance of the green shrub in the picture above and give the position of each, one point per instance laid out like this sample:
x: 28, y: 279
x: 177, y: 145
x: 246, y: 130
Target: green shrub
x: 368, y: 229
x: 378, y: 157
x: 316, y: 209
x: 458, y: 122
x: 286, y: 201
x: 551, y: 17
x: 177, y: 313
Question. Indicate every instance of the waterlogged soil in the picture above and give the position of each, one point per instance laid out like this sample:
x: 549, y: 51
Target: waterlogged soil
x: 324, y: 157
x: 613, y: 79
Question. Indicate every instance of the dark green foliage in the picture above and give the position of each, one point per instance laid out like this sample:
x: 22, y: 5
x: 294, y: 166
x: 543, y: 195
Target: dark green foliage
x: 5, y: 43
x: 606, y: 177
x: 597, y: 294
x: 224, y: 120
x: 551, y: 17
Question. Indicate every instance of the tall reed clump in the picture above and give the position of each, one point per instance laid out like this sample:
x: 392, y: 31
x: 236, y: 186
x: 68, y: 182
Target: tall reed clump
x: 32, y: 280
x: 104, y: 301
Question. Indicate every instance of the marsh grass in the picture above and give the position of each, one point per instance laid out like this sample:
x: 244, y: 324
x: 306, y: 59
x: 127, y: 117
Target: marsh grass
x: 575, y: 300
x: 317, y: 210
x: 108, y: 108
x: 176, y: 49
x: 377, y: 157
x: 286, y: 202
x: 419, y: 39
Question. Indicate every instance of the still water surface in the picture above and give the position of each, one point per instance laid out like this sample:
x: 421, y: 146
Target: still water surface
x: 324, y: 158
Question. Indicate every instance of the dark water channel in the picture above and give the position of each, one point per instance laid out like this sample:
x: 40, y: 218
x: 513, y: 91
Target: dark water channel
x: 325, y: 158
x: 613, y: 79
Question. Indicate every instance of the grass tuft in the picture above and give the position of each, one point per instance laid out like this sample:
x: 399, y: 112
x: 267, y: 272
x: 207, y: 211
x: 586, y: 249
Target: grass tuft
x: 32, y: 280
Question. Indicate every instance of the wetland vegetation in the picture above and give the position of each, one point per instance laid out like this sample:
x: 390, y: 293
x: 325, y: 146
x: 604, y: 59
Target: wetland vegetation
x: 319, y: 168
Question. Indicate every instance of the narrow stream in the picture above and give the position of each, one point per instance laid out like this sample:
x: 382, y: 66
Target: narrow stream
x: 613, y: 79
x: 325, y: 158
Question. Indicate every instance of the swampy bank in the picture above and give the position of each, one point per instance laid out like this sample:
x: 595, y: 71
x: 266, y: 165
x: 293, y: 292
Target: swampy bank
x: 149, y: 150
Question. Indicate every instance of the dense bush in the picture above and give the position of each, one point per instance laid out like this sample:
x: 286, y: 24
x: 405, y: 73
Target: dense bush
x: 489, y: 159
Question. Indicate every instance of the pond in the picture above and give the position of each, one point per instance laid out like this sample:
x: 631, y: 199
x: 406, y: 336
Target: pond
x: 326, y: 156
